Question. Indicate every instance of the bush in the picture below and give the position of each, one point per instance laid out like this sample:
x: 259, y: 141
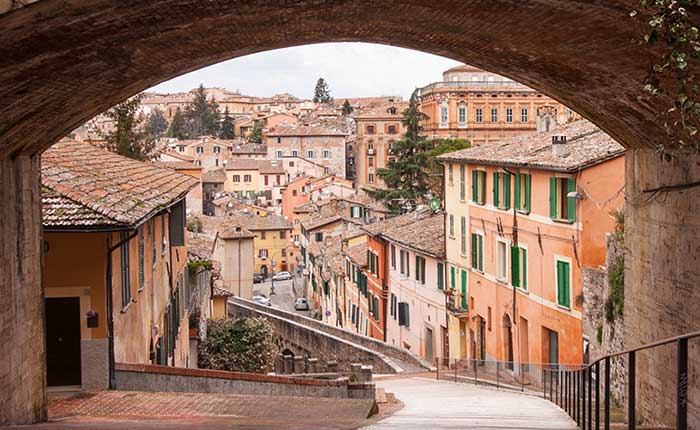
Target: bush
x: 615, y: 304
x: 240, y: 345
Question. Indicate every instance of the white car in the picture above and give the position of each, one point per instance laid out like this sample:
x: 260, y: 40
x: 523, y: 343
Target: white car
x: 282, y: 276
x: 301, y: 304
x: 262, y: 300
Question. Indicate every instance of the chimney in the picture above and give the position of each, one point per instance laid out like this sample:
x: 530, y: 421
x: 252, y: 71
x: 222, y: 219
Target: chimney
x: 558, y: 145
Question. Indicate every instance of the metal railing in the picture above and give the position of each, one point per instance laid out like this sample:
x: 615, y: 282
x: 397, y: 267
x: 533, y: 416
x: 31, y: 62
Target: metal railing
x: 578, y: 391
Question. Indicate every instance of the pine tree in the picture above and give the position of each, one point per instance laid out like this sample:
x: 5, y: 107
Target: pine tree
x: 255, y: 134
x: 321, y: 93
x: 177, y: 126
x: 156, y: 125
x: 128, y: 138
x: 407, y: 177
x: 347, y: 109
x: 202, y: 116
x: 227, y: 126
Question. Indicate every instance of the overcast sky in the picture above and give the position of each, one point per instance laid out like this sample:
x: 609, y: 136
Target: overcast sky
x: 351, y: 70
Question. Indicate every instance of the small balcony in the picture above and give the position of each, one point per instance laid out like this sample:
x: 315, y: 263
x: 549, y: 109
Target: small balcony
x: 453, y: 303
x: 370, y: 151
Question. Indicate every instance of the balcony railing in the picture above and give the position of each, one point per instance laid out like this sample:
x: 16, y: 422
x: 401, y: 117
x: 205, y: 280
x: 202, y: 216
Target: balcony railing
x: 476, y: 85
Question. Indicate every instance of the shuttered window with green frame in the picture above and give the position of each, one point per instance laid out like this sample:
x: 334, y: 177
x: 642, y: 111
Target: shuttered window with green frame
x: 518, y: 258
x: 453, y: 277
x: 404, y: 317
x: 464, y: 288
x: 477, y: 252
x: 561, y: 206
x: 522, y: 183
x: 501, y: 190
x: 440, y: 276
x: 478, y: 186
x: 563, y: 284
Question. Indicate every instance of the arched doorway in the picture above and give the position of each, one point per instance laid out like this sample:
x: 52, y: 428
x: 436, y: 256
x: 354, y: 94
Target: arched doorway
x: 585, y: 56
x: 263, y: 271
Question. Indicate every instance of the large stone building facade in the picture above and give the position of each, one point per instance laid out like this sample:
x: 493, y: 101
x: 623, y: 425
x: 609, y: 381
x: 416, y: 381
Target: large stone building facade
x: 470, y: 103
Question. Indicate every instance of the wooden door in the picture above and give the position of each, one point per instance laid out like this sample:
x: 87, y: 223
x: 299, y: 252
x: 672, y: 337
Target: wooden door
x: 63, y: 341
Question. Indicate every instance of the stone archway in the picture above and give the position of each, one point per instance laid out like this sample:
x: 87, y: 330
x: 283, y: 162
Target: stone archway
x: 62, y: 62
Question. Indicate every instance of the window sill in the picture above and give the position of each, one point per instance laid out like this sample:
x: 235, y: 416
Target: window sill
x: 568, y: 309
x: 562, y: 221
x: 126, y: 308
x: 522, y: 290
x: 523, y: 212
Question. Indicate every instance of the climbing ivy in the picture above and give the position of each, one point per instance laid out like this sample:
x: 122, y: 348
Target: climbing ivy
x: 673, y: 72
x: 615, y: 303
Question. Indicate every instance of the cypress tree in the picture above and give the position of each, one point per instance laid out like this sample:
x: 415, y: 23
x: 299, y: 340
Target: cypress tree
x: 321, y: 93
x: 128, y: 138
x: 227, y: 126
x: 177, y: 126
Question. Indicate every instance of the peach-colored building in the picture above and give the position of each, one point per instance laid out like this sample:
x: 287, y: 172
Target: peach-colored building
x: 520, y: 285
x: 377, y: 129
x: 483, y: 107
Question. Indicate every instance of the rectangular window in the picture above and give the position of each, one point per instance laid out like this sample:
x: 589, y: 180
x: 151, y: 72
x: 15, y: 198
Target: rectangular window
x: 509, y: 115
x: 124, y: 268
x: 295, y: 153
x: 283, y: 234
x: 370, y: 178
x: 402, y: 262
x: 177, y: 224
x: 463, y: 295
x: 561, y: 206
x: 420, y: 269
x: 394, y: 303
x: 217, y: 150
x: 153, y: 245
x: 453, y: 276
x: 247, y: 178
x: 444, y: 113
x: 479, y: 187
x: 163, y: 242
x: 524, y: 117
x: 319, y: 237
x: 236, y: 178
x: 450, y: 176
x: 463, y: 235
x: 200, y: 150
x: 477, y: 252
x: 267, y: 180
x: 563, y: 284
x: 370, y: 129
x: 142, y: 263
x: 309, y: 154
x: 501, y: 190
x: 502, y: 259
x: 441, y: 276
x: 462, y: 115
x: 262, y: 253
x: 393, y: 257
x: 518, y: 268
x: 326, y: 154
x: 521, y: 200
x: 263, y: 235
x: 462, y: 183
x: 404, y: 317
x: 479, y: 116
x: 375, y: 308
x: 494, y: 115
x: 370, y: 161
x: 391, y: 129
x: 452, y: 225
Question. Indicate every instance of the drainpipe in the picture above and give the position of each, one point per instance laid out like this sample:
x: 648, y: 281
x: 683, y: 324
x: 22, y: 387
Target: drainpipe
x: 514, y: 323
x: 110, y: 308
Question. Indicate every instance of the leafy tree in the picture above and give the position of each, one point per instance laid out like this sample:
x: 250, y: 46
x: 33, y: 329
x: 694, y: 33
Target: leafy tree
x: 177, y: 126
x: 255, y: 135
x: 321, y: 93
x: 238, y: 345
x: 156, y: 125
x: 128, y: 137
x: 347, y: 109
x: 227, y: 126
x: 202, y: 116
x: 436, y: 171
x: 407, y: 177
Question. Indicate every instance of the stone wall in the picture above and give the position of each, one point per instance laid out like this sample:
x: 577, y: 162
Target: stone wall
x: 22, y: 360
x: 143, y: 377
x: 662, y: 277
x: 303, y: 340
x: 363, y: 341
x: 596, y: 289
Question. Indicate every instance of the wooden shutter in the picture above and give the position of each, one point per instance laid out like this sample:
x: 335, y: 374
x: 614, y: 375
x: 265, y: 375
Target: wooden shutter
x: 515, y: 266
x: 404, y: 317
x: 482, y: 183
x: 516, y: 192
x: 495, y: 189
x: 506, y: 192
x: 464, y: 289
x: 563, y: 286
x: 553, y: 197
x: 527, y: 192
x: 452, y: 278
x: 441, y: 276
x: 475, y: 185
x: 523, y: 265
x: 177, y: 224
x: 480, y: 249
x: 474, y: 252
x: 572, y: 200
x: 375, y: 306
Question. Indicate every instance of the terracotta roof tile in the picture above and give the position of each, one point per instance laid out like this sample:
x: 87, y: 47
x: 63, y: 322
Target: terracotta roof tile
x: 124, y: 190
x: 254, y: 222
x: 358, y: 254
x: 422, y: 231
x: 314, y: 129
x: 586, y: 145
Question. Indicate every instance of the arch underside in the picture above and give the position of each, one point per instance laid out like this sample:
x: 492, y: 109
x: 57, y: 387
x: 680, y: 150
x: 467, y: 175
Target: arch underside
x: 63, y: 62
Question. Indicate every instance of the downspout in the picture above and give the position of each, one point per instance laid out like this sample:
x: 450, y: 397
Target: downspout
x: 110, y: 308
x: 515, y: 243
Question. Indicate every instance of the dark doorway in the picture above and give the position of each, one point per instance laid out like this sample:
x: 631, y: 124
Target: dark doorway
x: 63, y: 341
x: 508, y: 329
x: 482, y: 339
x: 553, y: 347
x: 263, y: 271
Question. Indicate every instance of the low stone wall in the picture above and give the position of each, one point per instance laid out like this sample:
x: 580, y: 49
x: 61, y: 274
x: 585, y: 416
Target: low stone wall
x: 144, y: 377
x: 303, y: 339
x: 375, y: 345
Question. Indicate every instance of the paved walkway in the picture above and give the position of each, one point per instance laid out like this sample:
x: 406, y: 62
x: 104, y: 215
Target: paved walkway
x: 441, y: 405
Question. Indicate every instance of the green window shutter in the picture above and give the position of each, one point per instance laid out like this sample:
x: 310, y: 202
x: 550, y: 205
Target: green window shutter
x: 474, y: 254
x: 515, y: 266
x: 464, y: 289
x: 441, y: 276
x: 527, y: 193
x: 483, y: 187
x: 553, y: 197
x: 516, y: 192
x: 452, y: 277
x: 506, y: 193
x: 572, y: 200
x: 481, y: 252
x: 475, y: 184
x: 523, y: 262
x: 495, y: 189
x: 563, y: 286
x: 403, y: 314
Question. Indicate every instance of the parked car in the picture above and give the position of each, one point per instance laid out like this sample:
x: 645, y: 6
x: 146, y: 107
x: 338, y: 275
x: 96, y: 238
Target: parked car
x: 262, y: 300
x: 257, y: 279
x: 282, y: 276
x: 301, y: 304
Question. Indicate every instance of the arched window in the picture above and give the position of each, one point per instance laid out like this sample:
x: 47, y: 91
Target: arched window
x: 444, y: 114
x: 462, y: 115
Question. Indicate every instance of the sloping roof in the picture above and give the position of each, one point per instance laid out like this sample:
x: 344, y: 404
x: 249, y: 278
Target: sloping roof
x: 422, y: 231
x: 118, y: 189
x: 233, y: 228
x: 586, y: 145
x: 382, y: 111
x: 314, y: 129
x: 249, y: 148
x: 358, y: 253
x: 58, y: 210
x: 181, y: 165
x: 254, y: 222
x: 214, y: 176
x: 263, y: 166
x: 313, y: 223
